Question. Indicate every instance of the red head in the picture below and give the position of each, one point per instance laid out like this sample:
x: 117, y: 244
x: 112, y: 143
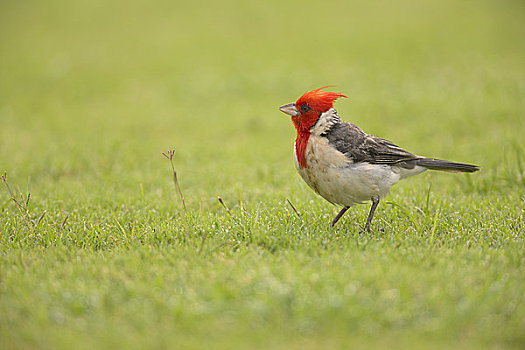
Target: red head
x: 306, y: 110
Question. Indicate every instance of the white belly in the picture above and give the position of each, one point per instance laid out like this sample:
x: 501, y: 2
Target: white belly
x: 333, y: 176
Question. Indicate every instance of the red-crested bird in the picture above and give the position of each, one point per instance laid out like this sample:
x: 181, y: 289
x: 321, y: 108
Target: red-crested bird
x: 343, y: 164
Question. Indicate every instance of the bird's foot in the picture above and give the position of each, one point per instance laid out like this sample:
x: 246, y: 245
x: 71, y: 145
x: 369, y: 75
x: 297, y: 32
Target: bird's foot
x: 365, y: 229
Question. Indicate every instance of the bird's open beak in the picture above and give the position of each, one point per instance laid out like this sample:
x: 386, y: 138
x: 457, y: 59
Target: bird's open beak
x: 289, y: 109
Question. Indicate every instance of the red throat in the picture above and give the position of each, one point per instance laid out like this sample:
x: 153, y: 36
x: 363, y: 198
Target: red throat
x: 300, y: 148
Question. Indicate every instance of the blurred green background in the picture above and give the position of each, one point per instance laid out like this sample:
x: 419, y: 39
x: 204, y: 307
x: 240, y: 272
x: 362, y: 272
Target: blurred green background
x: 91, y: 93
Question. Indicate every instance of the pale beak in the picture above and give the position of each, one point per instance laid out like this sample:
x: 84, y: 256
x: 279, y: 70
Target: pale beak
x: 289, y: 109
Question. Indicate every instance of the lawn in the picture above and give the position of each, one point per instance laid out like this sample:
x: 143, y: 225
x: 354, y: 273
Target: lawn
x: 97, y: 249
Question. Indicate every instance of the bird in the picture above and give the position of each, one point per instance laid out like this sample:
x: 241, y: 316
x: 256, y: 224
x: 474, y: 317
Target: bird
x: 345, y: 165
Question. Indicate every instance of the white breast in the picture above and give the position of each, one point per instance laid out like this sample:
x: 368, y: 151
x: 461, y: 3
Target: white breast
x: 333, y: 176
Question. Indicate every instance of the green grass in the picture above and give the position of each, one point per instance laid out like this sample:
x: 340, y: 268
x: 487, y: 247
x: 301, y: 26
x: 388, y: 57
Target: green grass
x: 105, y: 256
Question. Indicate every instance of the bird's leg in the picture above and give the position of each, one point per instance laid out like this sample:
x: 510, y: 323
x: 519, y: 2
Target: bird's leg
x: 375, y: 202
x: 338, y: 216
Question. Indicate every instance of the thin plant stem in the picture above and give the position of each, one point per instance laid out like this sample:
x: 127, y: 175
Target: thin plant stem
x: 170, y: 155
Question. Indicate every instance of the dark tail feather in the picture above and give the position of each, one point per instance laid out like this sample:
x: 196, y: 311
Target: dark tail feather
x: 445, y: 165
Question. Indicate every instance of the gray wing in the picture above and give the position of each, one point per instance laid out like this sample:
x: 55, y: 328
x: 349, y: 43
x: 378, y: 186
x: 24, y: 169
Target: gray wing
x: 350, y: 140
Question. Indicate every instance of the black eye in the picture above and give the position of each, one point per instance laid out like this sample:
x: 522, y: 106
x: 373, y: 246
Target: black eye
x: 305, y: 108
